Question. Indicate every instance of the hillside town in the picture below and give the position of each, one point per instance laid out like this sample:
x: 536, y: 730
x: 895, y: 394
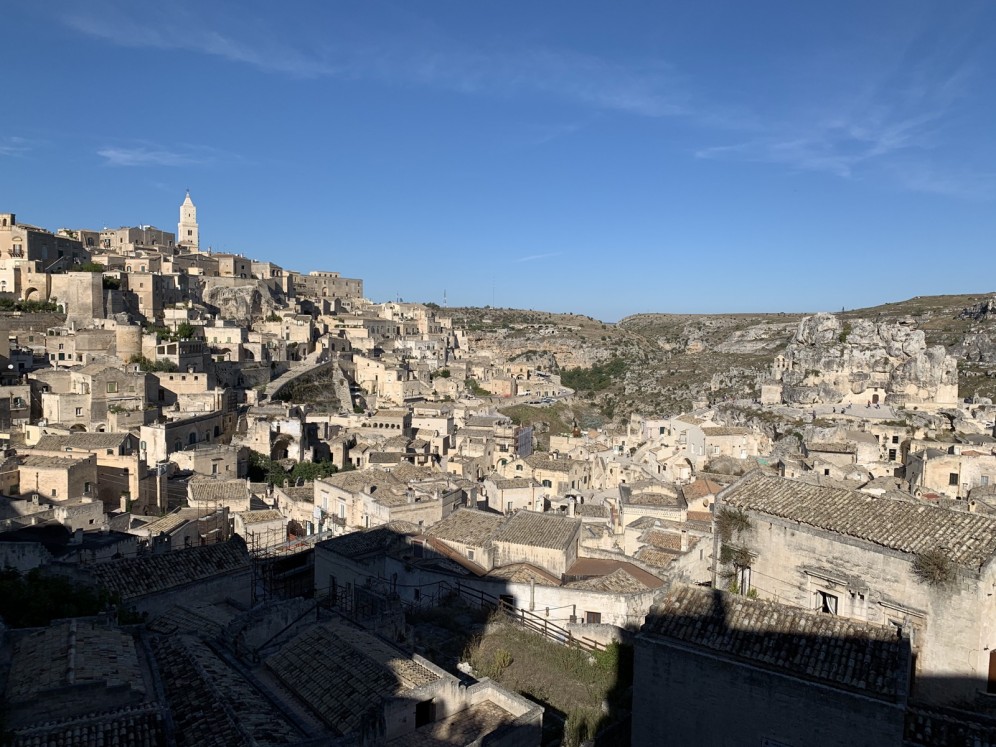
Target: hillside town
x: 265, y: 482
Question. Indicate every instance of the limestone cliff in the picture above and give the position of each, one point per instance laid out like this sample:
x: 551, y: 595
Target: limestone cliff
x: 245, y: 302
x: 832, y: 361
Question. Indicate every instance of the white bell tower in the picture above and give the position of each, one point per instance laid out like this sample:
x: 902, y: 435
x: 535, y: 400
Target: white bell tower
x: 186, y: 229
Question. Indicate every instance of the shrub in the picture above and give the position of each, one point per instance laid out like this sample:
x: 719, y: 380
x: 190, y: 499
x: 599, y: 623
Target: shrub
x: 730, y: 521
x: 934, y: 567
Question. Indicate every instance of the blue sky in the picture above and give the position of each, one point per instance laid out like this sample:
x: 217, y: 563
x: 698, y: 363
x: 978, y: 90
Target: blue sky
x: 597, y: 158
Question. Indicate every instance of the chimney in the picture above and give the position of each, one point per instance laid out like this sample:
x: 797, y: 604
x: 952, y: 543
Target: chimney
x: 571, y: 506
x: 684, y: 540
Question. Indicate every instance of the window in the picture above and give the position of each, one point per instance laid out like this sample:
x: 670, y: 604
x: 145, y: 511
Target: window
x: 79, y: 412
x: 895, y: 439
x: 86, y: 487
x: 214, y: 469
x: 342, y: 510
x: 112, y: 387
x: 470, y: 554
x: 54, y: 492
x: 953, y: 478
x: 984, y: 480
x: 826, y: 472
x: 826, y: 603
x: 892, y: 455
x: 593, y: 618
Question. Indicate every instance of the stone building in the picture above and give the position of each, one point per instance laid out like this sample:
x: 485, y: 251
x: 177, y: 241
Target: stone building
x: 29, y: 254
x: 720, y: 669
x: 908, y: 566
x: 326, y: 285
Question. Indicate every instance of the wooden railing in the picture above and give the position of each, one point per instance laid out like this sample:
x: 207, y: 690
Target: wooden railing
x: 525, y: 618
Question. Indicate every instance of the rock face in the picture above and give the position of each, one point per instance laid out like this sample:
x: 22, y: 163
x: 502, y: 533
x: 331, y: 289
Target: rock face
x: 246, y: 302
x: 831, y: 361
x: 980, y: 311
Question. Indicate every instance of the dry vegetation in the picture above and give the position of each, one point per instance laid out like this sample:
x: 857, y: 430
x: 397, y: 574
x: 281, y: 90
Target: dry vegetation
x: 583, y: 693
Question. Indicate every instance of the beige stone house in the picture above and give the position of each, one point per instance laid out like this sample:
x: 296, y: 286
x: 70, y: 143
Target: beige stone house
x: 559, y: 474
x: 916, y: 568
x: 509, y: 494
x: 59, y: 478
x: 953, y: 471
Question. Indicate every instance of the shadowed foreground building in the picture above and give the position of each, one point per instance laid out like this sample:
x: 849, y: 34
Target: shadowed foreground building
x: 720, y: 669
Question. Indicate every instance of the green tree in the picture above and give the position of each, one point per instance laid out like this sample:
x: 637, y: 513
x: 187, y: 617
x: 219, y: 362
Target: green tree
x: 311, y: 471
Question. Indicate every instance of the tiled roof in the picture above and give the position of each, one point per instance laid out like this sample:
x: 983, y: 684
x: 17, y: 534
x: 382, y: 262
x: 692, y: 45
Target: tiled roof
x: 150, y: 574
x: 73, y: 653
x: 605, y: 567
x: 140, y: 726
x: 376, y: 540
x: 617, y: 582
x: 654, y: 557
x: 538, y: 530
x: 656, y: 499
x: 662, y: 540
x: 82, y: 441
x: 344, y: 675
x: 211, y: 704
x: 49, y: 462
x: 592, y: 510
x: 827, y: 648
x: 700, y: 489
x: 561, y: 464
x: 468, y: 726
x: 513, y: 483
x: 524, y: 573
x: 830, y: 447
x: 968, y: 539
x: 258, y: 517
x: 220, y: 491
x: 720, y: 430
x: 169, y: 522
x: 468, y: 526
x: 363, y: 481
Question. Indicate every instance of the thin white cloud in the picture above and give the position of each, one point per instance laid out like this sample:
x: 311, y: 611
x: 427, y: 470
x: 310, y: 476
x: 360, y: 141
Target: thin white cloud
x: 146, y: 154
x: 868, y: 119
x: 14, y: 146
x: 426, y: 58
x: 534, y: 257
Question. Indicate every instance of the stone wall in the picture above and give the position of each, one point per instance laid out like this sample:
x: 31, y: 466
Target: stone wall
x: 683, y: 696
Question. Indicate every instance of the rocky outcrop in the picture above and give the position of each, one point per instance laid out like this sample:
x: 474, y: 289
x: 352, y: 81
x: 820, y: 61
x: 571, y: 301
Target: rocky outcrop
x: 245, y: 302
x: 980, y: 311
x: 829, y: 360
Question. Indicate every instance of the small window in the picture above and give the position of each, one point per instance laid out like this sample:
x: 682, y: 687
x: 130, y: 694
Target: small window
x: 79, y: 412
x: 826, y: 473
x: 470, y: 554
x: 895, y: 439
x: 86, y: 487
x: 593, y: 618
x: 953, y: 478
x: 826, y: 603
x: 54, y: 492
x: 892, y: 455
x: 112, y: 387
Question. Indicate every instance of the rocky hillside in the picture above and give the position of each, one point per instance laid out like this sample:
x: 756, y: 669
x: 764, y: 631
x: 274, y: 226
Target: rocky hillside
x: 670, y: 361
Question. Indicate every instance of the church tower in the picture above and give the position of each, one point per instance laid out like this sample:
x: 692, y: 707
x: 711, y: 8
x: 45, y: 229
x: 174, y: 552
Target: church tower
x: 186, y: 229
